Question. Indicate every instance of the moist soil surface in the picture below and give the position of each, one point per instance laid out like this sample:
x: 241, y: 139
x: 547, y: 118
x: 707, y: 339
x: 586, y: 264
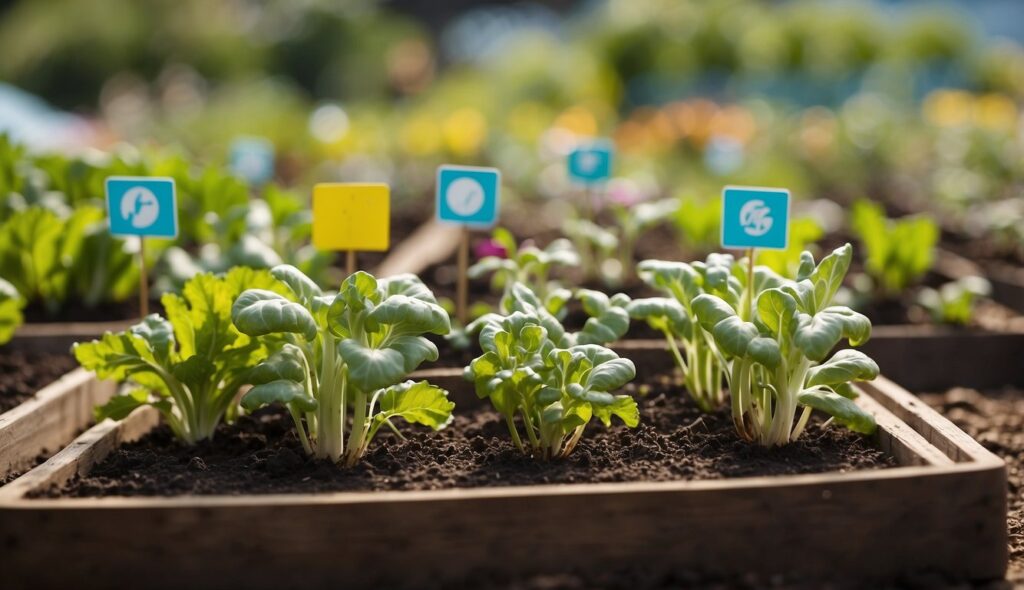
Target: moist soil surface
x: 24, y: 373
x: 995, y: 419
x: 260, y: 454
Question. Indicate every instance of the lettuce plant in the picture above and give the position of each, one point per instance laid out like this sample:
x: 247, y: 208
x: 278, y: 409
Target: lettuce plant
x: 529, y: 265
x: 10, y: 311
x: 695, y: 351
x: 780, y: 358
x: 897, y: 253
x: 555, y: 391
x: 353, y: 349
x: 191, y: 365
x: 953, y: 303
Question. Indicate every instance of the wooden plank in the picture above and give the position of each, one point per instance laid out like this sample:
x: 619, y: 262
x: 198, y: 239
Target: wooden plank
x: 901, y: 441
x: 431, y: 243
x: 45, y: 423
x: 948, y: 519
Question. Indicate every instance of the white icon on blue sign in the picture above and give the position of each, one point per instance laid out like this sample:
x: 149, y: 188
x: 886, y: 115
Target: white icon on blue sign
x: 755, y: 218
x: 142, y: 206
x: 252, y: 159
x: 468, y: 195
x: 591, y: 163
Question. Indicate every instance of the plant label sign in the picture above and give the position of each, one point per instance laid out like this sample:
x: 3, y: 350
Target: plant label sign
x: 351, y: 216
x: 144, y: 206
x: 468, y: 195
x: 252, y: 159
x: 754, y: 217
x: 591, y: 163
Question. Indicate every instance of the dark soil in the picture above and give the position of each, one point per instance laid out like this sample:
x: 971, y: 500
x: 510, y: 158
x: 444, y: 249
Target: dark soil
x: 996, y: 420
x: 22, y: 374
x: 73, y: 311
x: 260, y: 454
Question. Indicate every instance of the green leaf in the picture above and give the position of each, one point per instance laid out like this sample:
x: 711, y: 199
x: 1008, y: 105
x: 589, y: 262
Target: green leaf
x: 611, y: 374
x: 816, y: 336
x: 282, y: 391
x: 711, y: 310
x: 258, y: 312
x: 829, y: 275
x: 287, y: 363
x: 662, y: 313
x: 408, y: 285
x: 158, y: 334
x: 302, y: 286
x: 405, y: 315
x: 10, y: 311
x: 370, y: 369
x: 843, y: 410
x: 844, y: 366
x: 119, y: 406
x: 417, y: 403
x: 622, y: 406
x: 777, y: 311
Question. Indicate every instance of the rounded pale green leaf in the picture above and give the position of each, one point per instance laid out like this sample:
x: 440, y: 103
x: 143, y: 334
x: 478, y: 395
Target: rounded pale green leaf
x: 158, y: 333
x: 816, y: 336
x: 843, y: 410
x: 258, y: 312
x: 844, y: 366
x: 302, y: 286
x: 407, y: 284
x: 282, y: 391
x: 733, y: 335
x: 662, y: 313
x: 370, y: 369
x: 611, y: 374
x: 711, y: 310
x: 777, y: 311
x: 286, y: 363
x: 407, y: 315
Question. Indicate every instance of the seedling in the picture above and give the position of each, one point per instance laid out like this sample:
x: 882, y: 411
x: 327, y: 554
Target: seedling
x: 529, y: 265
x: 353, y: 349
x: 953, y: 303
x: 554, y: 391
x: 700, y: 360
x: 898, y: 253
x: 188, y: 366
x: 778, y: 360
x: 10, y: 311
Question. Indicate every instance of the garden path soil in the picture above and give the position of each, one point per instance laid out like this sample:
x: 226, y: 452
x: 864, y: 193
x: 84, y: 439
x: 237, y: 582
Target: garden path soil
x: 260, y: 454
x: 995, y: 419
x: 23, y: 373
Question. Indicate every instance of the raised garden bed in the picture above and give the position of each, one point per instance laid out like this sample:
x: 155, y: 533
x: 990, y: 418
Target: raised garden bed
x: 46, y: 401
x: 941, y: 510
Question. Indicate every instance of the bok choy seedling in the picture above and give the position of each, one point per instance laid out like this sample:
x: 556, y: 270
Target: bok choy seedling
x: 188, y: 366
x: 780, y: 358
x: 353, y: 349
x: 555, y: 391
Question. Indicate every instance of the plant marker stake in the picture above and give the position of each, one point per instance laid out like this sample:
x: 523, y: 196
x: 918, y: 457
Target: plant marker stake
x: 750, y: 284
x: 462, y: 293
x: 143, y: 279
x: 350, y: 262
x: 466, y: 196
x: 351, y: 217
x: 754, y: 217
x: 142, y: 206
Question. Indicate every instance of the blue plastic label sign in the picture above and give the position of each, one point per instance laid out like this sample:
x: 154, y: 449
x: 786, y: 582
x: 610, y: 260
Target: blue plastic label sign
x: 468, y: 195
x: 755, y: 217
x: 591, y: 163
x: 252, y: 159
x: 142, y: 206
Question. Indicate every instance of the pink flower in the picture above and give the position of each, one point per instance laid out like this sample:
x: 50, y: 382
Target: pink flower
x: 489, y: 248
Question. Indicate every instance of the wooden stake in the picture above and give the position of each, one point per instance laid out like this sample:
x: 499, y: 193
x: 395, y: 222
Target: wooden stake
x: 462, y: 292
x: 750, y: 284
x: 143, y: 279
x: 350, y: 262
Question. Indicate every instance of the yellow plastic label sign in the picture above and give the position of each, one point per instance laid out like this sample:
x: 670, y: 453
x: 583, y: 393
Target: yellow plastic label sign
x: 351, y: 216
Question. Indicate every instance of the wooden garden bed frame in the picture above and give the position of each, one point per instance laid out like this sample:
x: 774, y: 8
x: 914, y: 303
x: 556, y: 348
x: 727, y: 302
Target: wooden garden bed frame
x: 943, y: 511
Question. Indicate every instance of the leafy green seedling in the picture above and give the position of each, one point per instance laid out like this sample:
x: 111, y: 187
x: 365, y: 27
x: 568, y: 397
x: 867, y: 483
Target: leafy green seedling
x: 615, y: 246
x: 780, y: 360
x: 529, y: 265
x: 700, y: 360
x: 354, y: 349
x: 953, y: 303
x: 10, y: 311
x: 554, y: 391
x: 897, y: 253
x: 189, y: 366
x: 698, y: 223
